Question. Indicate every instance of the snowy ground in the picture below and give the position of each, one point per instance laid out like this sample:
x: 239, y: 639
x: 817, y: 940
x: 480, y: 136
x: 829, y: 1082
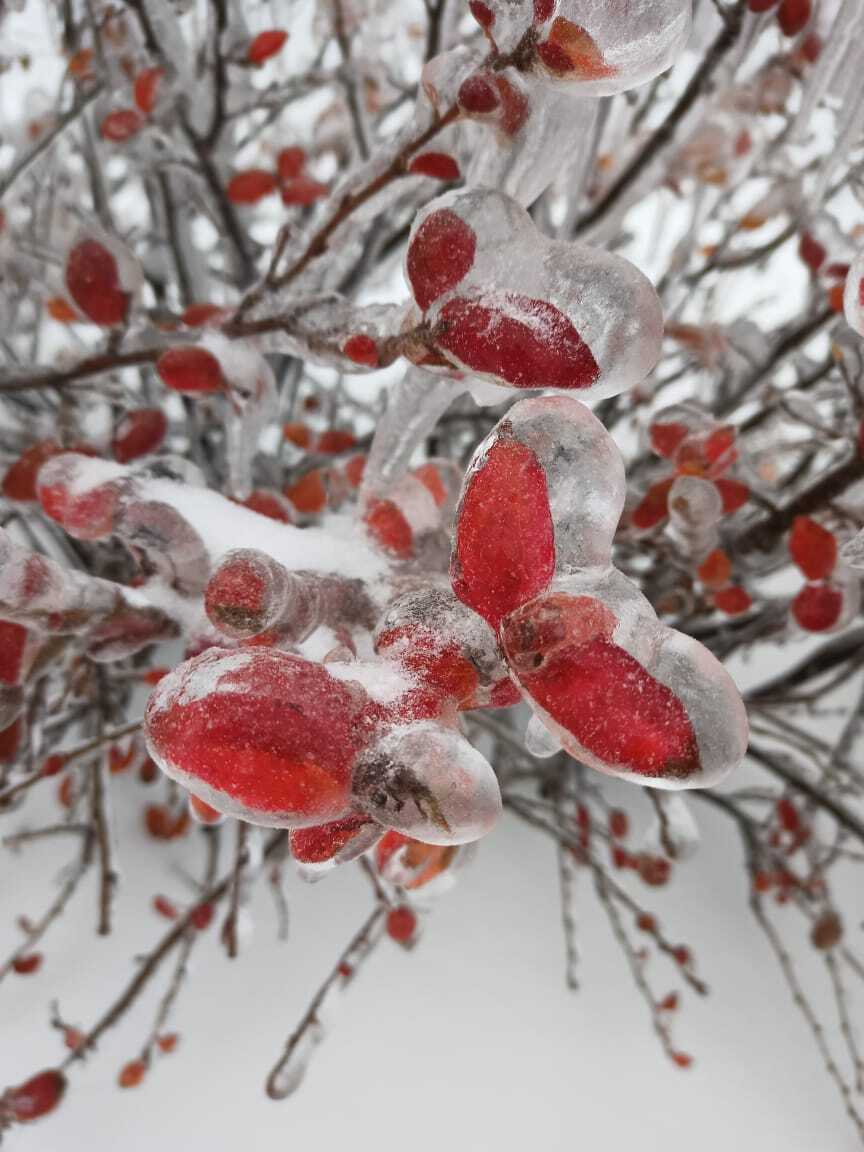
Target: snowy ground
x: 469, y: 1042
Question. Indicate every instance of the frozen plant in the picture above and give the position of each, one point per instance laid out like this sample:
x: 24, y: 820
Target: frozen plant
x: 404, y: 433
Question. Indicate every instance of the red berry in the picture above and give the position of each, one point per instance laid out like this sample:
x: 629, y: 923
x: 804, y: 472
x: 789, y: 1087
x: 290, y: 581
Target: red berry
x: 569, y: 49
x: 817, y: 607
x: 401, y: 924
x: 308, y: 494
x: 478, y: 95
x: 290, y: 163
x: 303, y: 191
x: 794, y: 15
x: 190, y: 369
x: 322, y: 843
x: 200, y: 315
x: 19, y: 483
x: 139, y: 433
x: 86, y: 515
x: 268, y: 504
x: 35, y: 1097
x: 297, y: 434
x: 682, y: 1059
x: 614, y: 708
x: 619, y: 823
x: 388, y: 527
x: 241, y: 594
x: 335, y: 440
x: 715, y: 570
x: 653, y: 507
x: 146, y: 87
x: 440, y: 254
x: 438, y: 165
x: 666, y: 438
x: 430, y: 477
x: 202, y: 917
x: 265, y: 45
x: 482, y: 13
x: 164, y: 907
x: 277, y: 736
x: 733, y: 493
x: 13, y: 648
x: 732, y: 601
x: 167, y: 1042
x: 811, y: 252
x: 528, y: 343
x: 93, y: 282
x: 121, y: 125
x: 543, y: 9
x: 361, y: 350
x: 54, y: 764
x: 24, y: 965
x: 813, y: 548
x: 827, y: 931
x: 504, y: 552
x: 653, y: 870
x: 132, y: 1074
x: 250, y: 186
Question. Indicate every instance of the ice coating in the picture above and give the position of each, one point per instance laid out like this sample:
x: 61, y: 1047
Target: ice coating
x: 513, y: 307
x: 428, y: 782
x: 258, y: 734
x: 644, y: 703
x: 597, y: 47
x: 853, y: 295
x: 447, y: 646
x: 524, y: 164
x: 584, y: 473
x: 281, y: 741
x: 618, y: 689
x: 113, y: 622
x: 250, y: 593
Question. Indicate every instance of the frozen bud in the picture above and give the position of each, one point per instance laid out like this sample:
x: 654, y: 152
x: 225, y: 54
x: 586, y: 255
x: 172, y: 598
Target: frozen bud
x: 139, y: 433
x: 19, y: 483
x: 602, y: 49
x: 428, y: 782
x: 411, y: 864
x: 326, y: 845
x: 447, y: 647
x: 853, y: 296
x: 34, y: 1098
x: 246, y: 594
x: 695, y: 506
x: 596, y: 49
x: 101, y: 277
x: 505, y: 303
x: 583, y: 471
x: 164, y: 543
x: 17, y: 649
x: 499, y: 99
x: 828, y: 606
x: 82, y: 494
x: 259, y: 734
x: 623, y: 692
x: 250, y: 593
x: 400, y: 518
x: 504, y: 547
x: 203, y: 813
